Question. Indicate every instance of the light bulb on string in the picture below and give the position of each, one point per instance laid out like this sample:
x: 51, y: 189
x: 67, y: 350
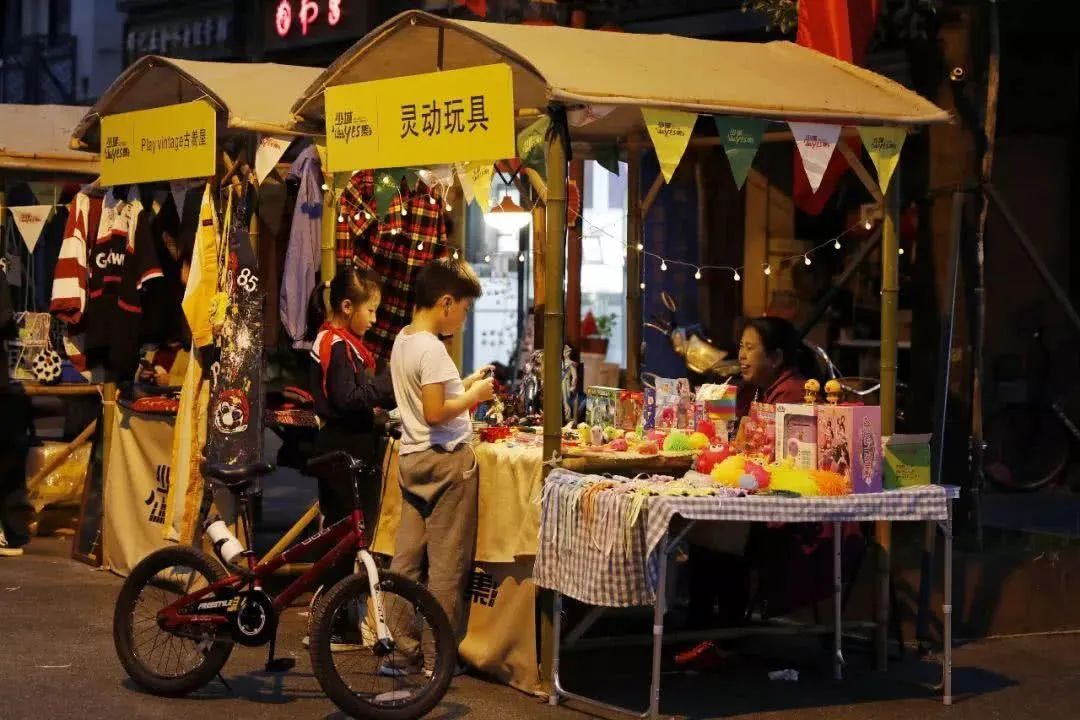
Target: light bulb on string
x: 869, y: 224
x: 431, y: 199
x: 806, y: 259
x: 737, y: 277
x: 487, y: 258
x: 367, y: 215
x: 521, y: 257
x: 420, y: 245
x: 447, y: 207
x: 640, y: 247
x: 404, y: 212
x: 836, y: 245
x: 356, y: 217
x: 901, y: 251
x: 340, y: 218
x: 325, y: 187
x: 456, y: 256
x: 663, y: 265
x: 642, y: 286
x: 768, y: 269
x: 697, y: 274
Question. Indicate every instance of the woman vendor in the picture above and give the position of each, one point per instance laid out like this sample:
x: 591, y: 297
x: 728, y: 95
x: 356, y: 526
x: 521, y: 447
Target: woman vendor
x: 774, y: 367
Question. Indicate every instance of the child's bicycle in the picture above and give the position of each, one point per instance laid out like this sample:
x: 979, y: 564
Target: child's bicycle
x: 181, y: 611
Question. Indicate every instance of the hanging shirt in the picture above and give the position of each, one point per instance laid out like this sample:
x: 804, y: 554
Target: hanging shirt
x: 203, y: 276
x: 356, y: 216
x: 302, y: 257
x: 401, y: 246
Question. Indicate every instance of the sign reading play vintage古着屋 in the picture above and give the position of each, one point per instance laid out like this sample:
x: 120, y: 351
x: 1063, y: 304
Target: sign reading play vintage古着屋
x: 167, y: 143
x: 434, y: 118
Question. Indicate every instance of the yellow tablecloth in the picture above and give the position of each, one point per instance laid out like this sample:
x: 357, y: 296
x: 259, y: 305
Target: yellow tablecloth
x: 508, y: 522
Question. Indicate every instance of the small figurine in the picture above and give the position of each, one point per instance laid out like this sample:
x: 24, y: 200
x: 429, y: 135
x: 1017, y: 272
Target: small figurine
x: 495, y: 411
x: 812, y: 389
x: 832, y: 391
x: 569, y: 386
x: 597, y: 435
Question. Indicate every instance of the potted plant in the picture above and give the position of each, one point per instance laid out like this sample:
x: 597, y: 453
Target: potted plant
x: 595, y: 333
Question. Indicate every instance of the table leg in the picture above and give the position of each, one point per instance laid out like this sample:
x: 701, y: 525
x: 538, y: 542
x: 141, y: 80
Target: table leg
x: 556, y: 621
x: 838, y: 591
x: 947, y: 610
x: 884, y: 571
x: 658, y: 630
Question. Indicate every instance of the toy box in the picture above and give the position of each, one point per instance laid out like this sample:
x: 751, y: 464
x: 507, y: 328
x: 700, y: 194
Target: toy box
x: 662, y: 402
x: 601, y: 404
x: 796, y: 434
x: 849, y: 443
x: 906, y: 461
x: 629, y: 410
x: 758, y: 432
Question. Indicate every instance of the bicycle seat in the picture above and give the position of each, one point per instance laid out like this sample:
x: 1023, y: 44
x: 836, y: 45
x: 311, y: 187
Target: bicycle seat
x: 236, y: 478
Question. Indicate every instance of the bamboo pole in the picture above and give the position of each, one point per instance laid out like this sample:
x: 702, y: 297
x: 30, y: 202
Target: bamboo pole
x: 327, y: 254
x: 66, y: 452
x: 634, y: 237
x: 553, y: 306
x: 890, y: 290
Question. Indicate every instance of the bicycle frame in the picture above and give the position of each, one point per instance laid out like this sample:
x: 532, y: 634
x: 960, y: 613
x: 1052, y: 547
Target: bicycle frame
x: 346, y: 535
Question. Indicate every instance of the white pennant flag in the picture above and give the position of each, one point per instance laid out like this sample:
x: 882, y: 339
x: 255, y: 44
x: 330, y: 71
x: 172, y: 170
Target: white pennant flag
x: 30, y: 219
x: 179, y: 193
x: 466, y: 186
x: 270, y: 150
x: 816, y: 143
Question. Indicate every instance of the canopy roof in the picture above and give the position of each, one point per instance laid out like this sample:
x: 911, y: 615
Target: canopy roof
x: 777, y: 80
x: 250, y: 96
x: 35, y: 138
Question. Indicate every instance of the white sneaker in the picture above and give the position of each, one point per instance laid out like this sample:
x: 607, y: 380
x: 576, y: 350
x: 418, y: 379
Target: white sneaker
x: 5, y: 549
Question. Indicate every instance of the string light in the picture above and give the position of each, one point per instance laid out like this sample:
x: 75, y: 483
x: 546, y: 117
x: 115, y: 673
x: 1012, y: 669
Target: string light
x: 642, y: 286
x: 325, y: 187
x: 640, y: 247
x: 448, y: 207
x: 869, y: 224
x: 340, y: 218
x: 806, y: 259
x: 697, y: 274
x: 663, y: 265
x: 404, y: 212
x: 521, y: 257
x: 420, y: 245
x: 737, y: 277
x: 768, y: 269
x: 456, y: 256
x: 431, y: 199
x: 836, y: 245
x: 356, y: 217
x: 487, y: 258
x: 901, y: 251
x: 367, y: 215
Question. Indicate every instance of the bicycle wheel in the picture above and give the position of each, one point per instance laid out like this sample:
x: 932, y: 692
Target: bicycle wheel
x: 167, y: 662
x: 1027, y: 447
x: 402, y: 682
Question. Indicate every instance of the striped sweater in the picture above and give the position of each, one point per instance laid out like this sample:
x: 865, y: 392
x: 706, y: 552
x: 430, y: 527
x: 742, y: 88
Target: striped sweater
x: 71, y: 279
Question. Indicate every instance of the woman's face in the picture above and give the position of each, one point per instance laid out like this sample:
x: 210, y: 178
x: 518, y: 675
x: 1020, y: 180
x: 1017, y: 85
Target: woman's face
x: 363, y: 315
x: 757, y: 365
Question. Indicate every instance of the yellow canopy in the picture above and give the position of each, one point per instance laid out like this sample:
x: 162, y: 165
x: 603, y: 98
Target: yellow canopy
x: 251, y: 96
x: 35, y: 138
x: 777, y: 80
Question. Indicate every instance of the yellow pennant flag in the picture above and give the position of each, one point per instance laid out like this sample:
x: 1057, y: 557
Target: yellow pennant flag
x: 476, y: 182
x: 884, y: 145
x: 670, y: 131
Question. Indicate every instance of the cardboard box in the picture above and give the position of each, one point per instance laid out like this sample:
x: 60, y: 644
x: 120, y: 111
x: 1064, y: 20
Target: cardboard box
x: 849, y: 443
x: 796, y: 434
x: 907, y: 461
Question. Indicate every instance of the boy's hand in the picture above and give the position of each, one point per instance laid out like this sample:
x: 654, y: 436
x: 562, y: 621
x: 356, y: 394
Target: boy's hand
x: 483, y: 390
x: 480, y: 374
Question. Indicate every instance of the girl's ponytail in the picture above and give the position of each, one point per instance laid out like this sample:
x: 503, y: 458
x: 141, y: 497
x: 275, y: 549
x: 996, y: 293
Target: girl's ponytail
x: 317, y: 310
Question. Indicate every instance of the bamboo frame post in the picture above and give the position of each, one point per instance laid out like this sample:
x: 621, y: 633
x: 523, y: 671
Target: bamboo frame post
x: 553, y: 311
x: 890, y: 291
x: 327, y: 244
x: 635, y: 236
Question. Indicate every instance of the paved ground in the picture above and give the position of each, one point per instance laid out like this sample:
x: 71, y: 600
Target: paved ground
x: 57, y: 661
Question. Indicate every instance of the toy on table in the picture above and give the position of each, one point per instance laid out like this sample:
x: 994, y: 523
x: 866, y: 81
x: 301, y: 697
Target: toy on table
x: 833, y: 388
x: 812, y: 389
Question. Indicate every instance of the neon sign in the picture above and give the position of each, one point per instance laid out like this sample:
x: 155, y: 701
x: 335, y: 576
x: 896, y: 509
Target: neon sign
x: 305, y: 16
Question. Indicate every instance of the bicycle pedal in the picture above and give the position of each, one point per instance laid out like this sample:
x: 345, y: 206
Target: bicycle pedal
x: 280, y: 665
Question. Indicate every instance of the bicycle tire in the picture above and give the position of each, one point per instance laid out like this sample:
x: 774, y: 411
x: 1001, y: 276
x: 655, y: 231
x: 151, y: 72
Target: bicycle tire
x: 1028, y: 448
x: 326, y: 671
x: 123, y: 631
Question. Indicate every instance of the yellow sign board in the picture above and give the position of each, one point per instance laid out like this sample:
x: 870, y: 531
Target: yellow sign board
x: 167, y: 143
x: 431, y: 119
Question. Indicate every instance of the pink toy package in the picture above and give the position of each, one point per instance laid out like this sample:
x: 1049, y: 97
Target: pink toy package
x: 849, y: 443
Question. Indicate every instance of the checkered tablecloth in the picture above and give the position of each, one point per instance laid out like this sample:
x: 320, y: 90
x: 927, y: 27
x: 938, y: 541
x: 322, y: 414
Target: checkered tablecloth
x: 605, y: 550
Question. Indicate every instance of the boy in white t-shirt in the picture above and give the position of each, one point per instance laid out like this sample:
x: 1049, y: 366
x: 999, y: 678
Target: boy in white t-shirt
x: 436, y: 464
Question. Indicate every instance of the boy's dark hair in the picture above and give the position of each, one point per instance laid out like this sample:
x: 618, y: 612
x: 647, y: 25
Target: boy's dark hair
x: 446, y: 276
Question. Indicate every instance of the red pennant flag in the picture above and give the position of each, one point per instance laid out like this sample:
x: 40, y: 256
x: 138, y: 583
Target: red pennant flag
x: 843, y: 29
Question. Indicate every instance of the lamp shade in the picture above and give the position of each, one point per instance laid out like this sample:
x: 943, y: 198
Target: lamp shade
x: 507, y: 217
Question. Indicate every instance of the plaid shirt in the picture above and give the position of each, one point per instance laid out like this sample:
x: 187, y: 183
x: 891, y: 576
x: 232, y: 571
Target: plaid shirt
x: 356, y: 213
x: 394, y: 250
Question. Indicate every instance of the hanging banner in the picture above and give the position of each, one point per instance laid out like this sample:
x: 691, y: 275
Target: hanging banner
x: 884, y: 145
x: 267, y: 154
x: 580, y: 117
x: 434, y: 118
x: 30, y: 219
x: 167, y: 143
x: 670, y: 131
x: 530, y: 144
x: 475, y: 180
x: 741, y: 138
x: 816, y: 143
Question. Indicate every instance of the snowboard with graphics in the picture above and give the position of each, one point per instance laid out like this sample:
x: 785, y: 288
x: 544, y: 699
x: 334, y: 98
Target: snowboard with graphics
x: 234, y: 433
